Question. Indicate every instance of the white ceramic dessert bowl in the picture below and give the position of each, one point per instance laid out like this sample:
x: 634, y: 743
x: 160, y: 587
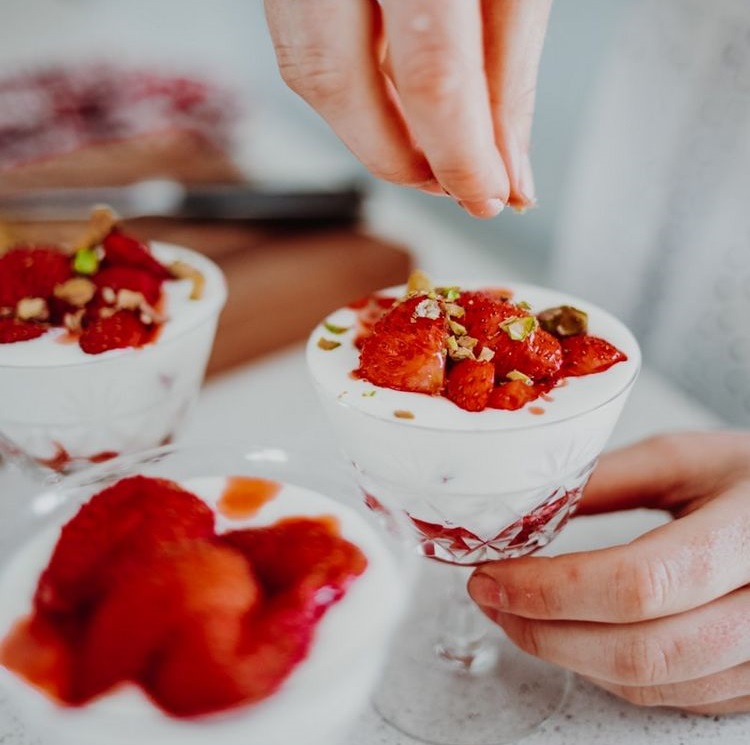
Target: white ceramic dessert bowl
x: 478, y: 470
x: 55, y: 397
x: 318, y: 702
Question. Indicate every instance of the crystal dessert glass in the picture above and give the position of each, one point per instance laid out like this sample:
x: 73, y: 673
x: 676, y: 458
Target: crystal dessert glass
x: 325, y: 691
x: 62, y: 410
x: 477, y: 487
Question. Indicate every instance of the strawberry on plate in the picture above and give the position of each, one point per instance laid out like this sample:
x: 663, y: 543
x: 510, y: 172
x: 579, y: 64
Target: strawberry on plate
x: 469, y: 383
x: 484, y: 311
x: 407, y: 347
x: 584, y: 355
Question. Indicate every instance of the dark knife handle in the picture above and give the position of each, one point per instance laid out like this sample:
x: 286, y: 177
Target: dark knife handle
x: 233, y: 202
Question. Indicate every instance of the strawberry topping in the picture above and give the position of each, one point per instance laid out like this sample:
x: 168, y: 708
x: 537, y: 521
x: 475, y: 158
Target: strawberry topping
x: 123, y: 329
x: 406, y: 348
x: 13, y: 330
x: 122, y: 250
x: 478, y: 348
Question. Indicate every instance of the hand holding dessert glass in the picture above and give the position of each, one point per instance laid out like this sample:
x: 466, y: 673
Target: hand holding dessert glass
x: 227, y: 595
x: 103, y: 345
x: 480, y: 412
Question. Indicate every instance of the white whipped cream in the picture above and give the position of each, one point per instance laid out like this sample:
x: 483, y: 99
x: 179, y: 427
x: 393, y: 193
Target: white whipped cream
x: 478, y: 470
x: 316, y: 704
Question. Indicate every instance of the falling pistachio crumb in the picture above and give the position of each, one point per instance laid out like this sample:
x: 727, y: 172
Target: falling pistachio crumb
x: 369, y: 394
x: 403, y: 414
x: 328, y: 344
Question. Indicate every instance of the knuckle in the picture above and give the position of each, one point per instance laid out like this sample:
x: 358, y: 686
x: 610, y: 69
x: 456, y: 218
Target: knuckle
x: 640, y: 660
x: 313, y: 73
x: 643, y: 589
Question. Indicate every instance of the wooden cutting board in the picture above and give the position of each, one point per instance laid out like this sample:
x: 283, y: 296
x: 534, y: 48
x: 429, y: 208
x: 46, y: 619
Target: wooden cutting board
x: 281, y: 281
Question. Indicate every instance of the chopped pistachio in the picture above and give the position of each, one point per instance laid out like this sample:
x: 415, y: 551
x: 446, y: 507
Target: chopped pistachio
x: 469, y: 342
x: 334, y: 329
x: 32, y: 309
x: 461, y: 353
x: 328, y: 344
x: 454, y: 310
x: 418, y: 282
x: 450, y: 293
x: 86, y: 261
x: 486, y: 355
x: 452, y: 344
x: 101, y: 222
x: 109, y: 295
x: 456, y: 327
x: 518, y: 375
x: 428, y: 309
x: 76, y: 291
x: 564, y: 320
x: 403, y: 414
x: 519, y: 327
x: 72, y: 321
x: 369, y: 394
x: 523, y: 304
x: 183, y: 270
x: 130, y: 300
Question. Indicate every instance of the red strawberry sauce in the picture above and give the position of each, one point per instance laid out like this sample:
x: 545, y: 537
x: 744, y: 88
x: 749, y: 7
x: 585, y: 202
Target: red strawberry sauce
x: 141, y: 589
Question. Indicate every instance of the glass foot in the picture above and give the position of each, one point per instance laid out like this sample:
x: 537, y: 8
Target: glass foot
x: 454, y: 679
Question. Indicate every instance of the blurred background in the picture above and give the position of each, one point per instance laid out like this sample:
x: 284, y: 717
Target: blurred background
x: 641, y: 152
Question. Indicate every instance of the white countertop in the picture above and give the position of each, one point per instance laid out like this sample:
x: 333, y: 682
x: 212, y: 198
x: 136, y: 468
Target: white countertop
x: 271, y: 401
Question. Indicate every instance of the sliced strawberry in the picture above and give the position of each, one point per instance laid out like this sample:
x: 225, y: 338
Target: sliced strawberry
x: 370, y: 309
x: 123, y: 329
x: 484, y: 311
x: 313, y: 557
x: 13, y: 330
x: 122, y: 250
x: 469, y: 384
x: 129, y: 278
x: 120, y: 524
x: 539, y: 355
x: 30, y: 272
x: 406, y: 349
x: 584, y: 355
x: 183, y: 585
x: 514, y: 394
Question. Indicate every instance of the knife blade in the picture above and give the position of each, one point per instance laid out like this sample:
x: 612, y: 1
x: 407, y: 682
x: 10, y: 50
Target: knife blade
x: 165, y: 198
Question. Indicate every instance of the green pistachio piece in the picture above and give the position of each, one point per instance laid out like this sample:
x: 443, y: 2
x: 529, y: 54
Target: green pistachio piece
x: 328, y: 344
x: 86, y: 261
x: 519, y: 327
x: 518, y: 375
x: 369, y: 394
x: 450, y: 293
x: 564, y: 320
x: 334, y: 329
x: 456, y: 327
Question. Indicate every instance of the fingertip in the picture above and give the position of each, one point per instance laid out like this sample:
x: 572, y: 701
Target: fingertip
x: 484, y: 209
x: 486, y: 592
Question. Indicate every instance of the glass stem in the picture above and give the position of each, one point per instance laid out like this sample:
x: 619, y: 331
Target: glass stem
x: 462, y: 643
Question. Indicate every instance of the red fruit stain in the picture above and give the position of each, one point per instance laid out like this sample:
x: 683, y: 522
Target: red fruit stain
x: 536, y: 410
x: 243, y: 496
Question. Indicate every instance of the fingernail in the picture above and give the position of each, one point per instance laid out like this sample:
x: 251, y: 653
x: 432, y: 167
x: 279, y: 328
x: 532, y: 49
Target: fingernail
x: 524, y: 195
x: 486, y: 591
x: 485, y: 208
x: 432, y: 187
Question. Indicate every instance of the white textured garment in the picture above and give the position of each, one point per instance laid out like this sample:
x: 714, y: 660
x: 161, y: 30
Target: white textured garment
x: 656, y: 225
